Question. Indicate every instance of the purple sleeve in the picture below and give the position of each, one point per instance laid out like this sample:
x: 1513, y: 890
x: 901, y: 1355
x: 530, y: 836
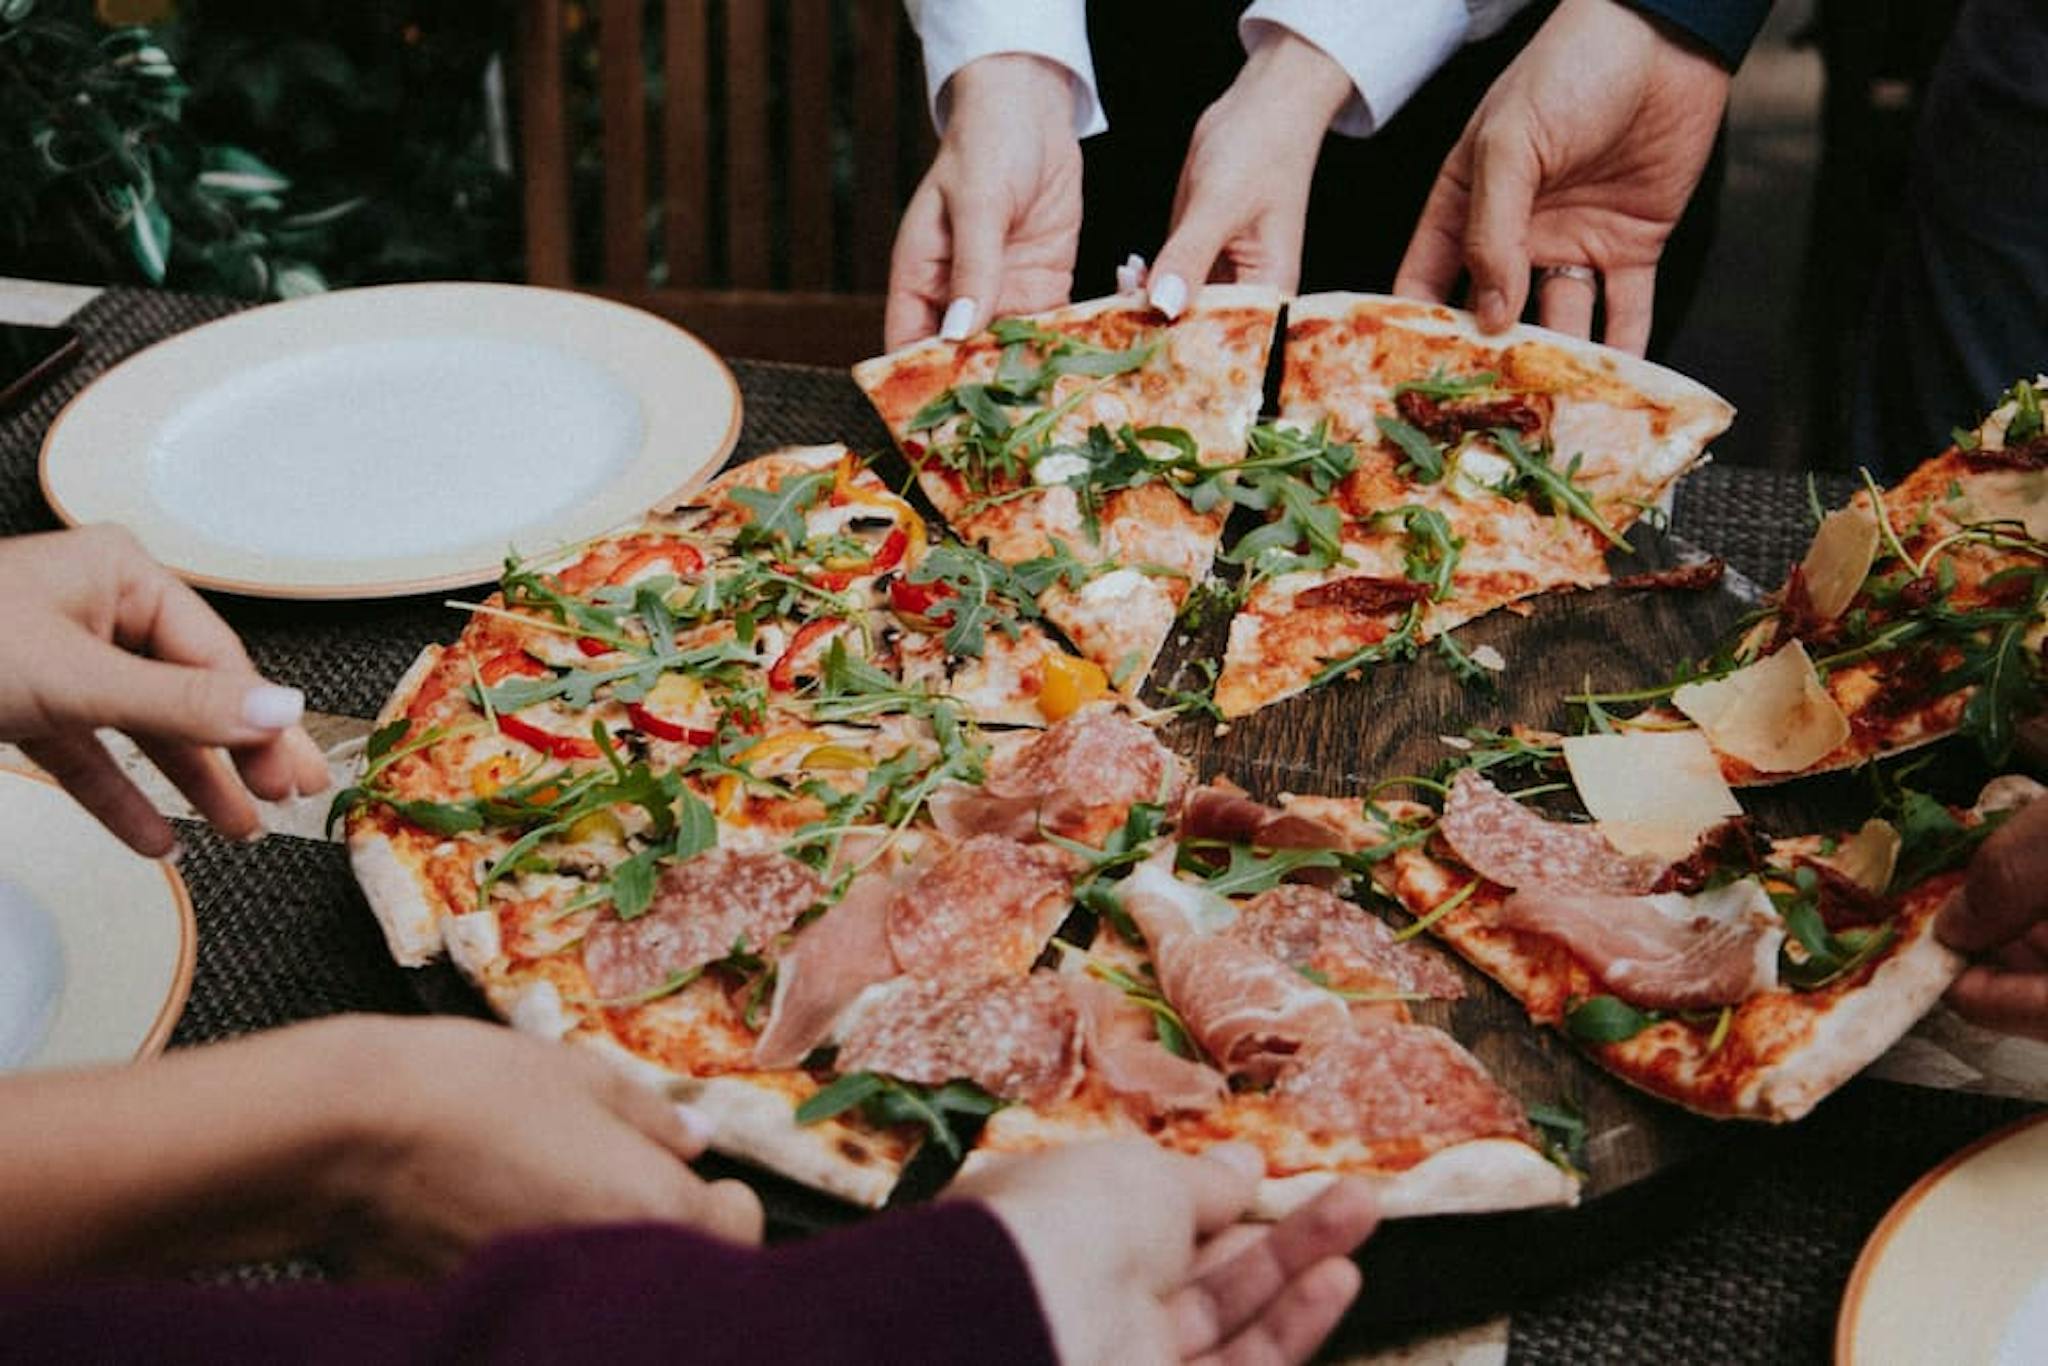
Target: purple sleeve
x: 942, y: 1283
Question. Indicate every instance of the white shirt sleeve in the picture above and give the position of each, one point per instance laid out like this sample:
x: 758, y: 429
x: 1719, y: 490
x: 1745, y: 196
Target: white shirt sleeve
x: 1387, y: 47
x: 956, y: 32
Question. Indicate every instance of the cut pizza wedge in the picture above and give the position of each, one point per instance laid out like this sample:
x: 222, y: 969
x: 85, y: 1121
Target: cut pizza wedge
x: 1085, y: 442
x: 1917, y: 613
x: 1485, y: 469
x: 1748, y: 979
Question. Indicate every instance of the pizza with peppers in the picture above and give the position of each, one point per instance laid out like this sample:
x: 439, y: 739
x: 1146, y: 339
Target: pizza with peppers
x: 1100, y: 434
x: 1918, y: 612
x: 1481, y: 470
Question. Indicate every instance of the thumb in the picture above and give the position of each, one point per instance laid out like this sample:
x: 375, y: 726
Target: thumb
x: 1190, y: 252
x: 177, y: 702
x: 978, y: 228
x: 1222, y: 1183
x: 2006, y: 891
x: 1504, y: 177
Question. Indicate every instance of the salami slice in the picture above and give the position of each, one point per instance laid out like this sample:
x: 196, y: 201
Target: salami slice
x: 701, y: 909
x: 1014, y: 1037
x: 1395, y: 1081
x: 1346, y: 946
x: 983, y: 908
x: 1093, y: 761
x: 1505, y: 842
x: 1221, y: 811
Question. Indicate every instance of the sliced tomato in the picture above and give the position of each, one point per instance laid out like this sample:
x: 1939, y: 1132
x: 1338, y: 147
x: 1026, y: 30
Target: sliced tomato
x: 647, y: 723
x: 547, y: 742
x: 782, y: 673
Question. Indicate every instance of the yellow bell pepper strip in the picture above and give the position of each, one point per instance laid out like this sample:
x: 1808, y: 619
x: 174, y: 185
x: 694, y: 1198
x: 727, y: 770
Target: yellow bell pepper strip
x: 725, y: 798
x: 1069, y: 685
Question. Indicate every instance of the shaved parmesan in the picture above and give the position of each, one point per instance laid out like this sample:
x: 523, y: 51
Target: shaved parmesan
x: 1774, y: 715
x: 1652, y: 792
x: 1868, y: 856
x: 1839, y: 559
x: 2006, y: 496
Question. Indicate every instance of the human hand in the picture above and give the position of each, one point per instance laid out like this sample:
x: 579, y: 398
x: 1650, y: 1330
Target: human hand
x: 460, y: 1131
x: 1583, y: 153
x: 992, y: 228
x: 1243, y: 193
x: 1114, y: 1235
x: 2001, y: 916
x: 98, y: 634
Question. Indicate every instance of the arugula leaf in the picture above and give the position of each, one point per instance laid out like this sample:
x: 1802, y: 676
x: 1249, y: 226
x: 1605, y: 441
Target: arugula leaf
x: 1931, y: 839
x: 1442, y: 385
x: 1563, y: 1129
x: 1607, y: 1019
x: 777, y: 514
x: 1551, y: 488
x: 633, y: 885
x: 985, y: 593
x: 696, y: 827
x: 887, y: 1101
x: 1251, y: 871
x: 1424, y: 455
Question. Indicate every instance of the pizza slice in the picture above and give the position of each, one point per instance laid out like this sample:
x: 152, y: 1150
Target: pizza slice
x: 1918, y: 612
x: 1091, y: 441
x: 1747, y: 979
x: 1273, y: 1012
x: 1481, y: 470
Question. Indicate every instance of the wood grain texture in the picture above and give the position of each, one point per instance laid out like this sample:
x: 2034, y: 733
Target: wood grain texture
x: 875, y: 146
x: 544, y: 144
x: 685, y: 141
x: 622, y: 103
x: 808, y: 80
x: 749, y: 166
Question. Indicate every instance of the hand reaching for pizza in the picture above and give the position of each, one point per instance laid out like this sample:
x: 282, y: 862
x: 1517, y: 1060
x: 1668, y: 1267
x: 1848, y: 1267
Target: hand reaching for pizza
x: 1243, y: 194
x: 1172, y: 1276
x: 98, y: 634
x: 2001, y: 917
x: 399, y: 1144
x: 1583, y: 153
x: 993, y: 226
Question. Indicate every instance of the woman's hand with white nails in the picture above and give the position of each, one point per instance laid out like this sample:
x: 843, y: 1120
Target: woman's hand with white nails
x: 1584, y: 152
x: 95, y: 633
x: 1243, y: 194
x: 1173, y: 1276
x: 993, y: 226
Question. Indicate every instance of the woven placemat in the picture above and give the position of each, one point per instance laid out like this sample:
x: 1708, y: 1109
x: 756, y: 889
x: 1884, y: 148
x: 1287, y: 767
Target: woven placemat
x: 1782, y: 1216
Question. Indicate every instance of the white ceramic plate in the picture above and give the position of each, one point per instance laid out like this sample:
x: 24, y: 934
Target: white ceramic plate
x: 401, y: 439
x: 1958, y: 1270
x: 96, y: 942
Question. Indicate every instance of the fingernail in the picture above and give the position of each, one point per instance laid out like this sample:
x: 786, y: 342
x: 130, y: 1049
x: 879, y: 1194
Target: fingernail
x: 959, y: 318
x: 1239, y: 1157
x: 271, y: 707
x: 1169, y: 295
x: 1130, y: 276
x: 700, y: 1126
x: 257, y: 835
x: 1492, y: 310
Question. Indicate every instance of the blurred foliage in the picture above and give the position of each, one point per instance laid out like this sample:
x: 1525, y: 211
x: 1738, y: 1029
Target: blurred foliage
x: 222, y: 147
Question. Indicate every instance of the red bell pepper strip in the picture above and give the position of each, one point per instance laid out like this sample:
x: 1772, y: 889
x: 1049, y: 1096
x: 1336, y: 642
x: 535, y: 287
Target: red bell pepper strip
x: 680, y: 556
x: 917, y: 599
x: 782, y: 673
x: 498, y: 667
x: 591, y: 645
x: 647, y: 723
x: 547, y: 742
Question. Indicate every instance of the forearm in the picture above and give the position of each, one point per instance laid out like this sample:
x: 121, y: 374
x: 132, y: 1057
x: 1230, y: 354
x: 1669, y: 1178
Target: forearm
x: 221, y: 1153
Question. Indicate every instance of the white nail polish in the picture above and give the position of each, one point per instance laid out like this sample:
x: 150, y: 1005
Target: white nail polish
x: 700, y: 1126
x: 1169, y: 295
x: 270, y: 707
x: 176, y: 855
x: 1126, y: 279
x: 959, y: 318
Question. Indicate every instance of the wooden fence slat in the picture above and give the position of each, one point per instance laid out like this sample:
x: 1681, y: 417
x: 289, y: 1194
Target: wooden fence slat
x: 875, y: 147
x: 686, y: 141
x: 748, y: 166
x: 544, y: 144
x: 622, y: 103
x: 809, y: 82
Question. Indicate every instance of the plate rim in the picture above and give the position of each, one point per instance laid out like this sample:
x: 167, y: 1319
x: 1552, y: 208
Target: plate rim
x: 396, y: 588
x: 180, y: 992
x: 1902, y: 1209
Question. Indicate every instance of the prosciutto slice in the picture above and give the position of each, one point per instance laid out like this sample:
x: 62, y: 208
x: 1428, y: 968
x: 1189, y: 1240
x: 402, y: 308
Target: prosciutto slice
x: 983, y: 908
x: 1505, y: 842
x: 1346, y: 945
x: 835, y: 958
x: 1395, y: 1081
x: 1249, y: 1011
x: 1123, y: 1049
x: 1078, y: 779
x: 1014, y: 1037
x: 1222, y: 811
x: 1667, y: 951
x: 701, y: 909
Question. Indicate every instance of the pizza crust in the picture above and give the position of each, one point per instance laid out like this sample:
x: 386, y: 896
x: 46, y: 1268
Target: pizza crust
x: 1860, y: 1027
x: 411, y: 929
x: 1482, y: 1176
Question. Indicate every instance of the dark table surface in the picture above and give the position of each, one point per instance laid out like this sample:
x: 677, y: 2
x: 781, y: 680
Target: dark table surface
x: 1747, y: 1262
